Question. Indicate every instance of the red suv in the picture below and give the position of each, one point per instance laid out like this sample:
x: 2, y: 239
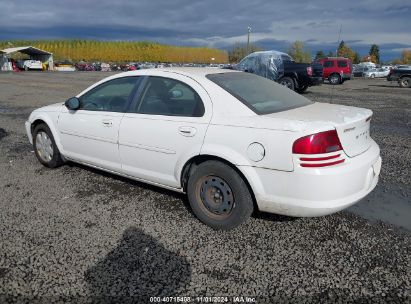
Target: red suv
x: 336, y: 69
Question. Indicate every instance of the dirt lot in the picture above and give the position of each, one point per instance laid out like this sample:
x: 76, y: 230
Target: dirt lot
x: 80, y: 235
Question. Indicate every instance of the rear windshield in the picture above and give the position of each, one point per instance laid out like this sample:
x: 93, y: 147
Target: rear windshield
x: 260, y: 94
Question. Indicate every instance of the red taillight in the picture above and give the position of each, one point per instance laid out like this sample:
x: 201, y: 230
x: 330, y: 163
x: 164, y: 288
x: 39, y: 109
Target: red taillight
x: 324, y: 142
x: 310, y: 71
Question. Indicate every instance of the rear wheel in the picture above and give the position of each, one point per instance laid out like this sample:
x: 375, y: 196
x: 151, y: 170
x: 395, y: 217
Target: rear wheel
x: 405, y: 82
x: 372, y: 76
x: 45, y: 147
x: 287, y: 82
x: 302, y: 89
x: 334, y: 79
x: 218, y: 196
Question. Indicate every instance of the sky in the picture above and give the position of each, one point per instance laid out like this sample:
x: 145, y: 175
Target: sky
x: 216, y: 23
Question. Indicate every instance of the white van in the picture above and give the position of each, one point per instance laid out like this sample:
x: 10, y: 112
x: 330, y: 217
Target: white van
x: 368, y: 64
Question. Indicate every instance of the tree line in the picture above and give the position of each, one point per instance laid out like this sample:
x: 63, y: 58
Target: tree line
x: 122, y: 51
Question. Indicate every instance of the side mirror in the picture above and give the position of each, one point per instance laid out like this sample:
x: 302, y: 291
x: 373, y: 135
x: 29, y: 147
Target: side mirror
x: 72, y: 103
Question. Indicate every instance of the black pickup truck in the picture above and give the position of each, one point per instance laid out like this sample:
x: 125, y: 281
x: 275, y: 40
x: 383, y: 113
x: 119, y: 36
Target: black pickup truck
x: 281, y: 68
x: 401, y: 75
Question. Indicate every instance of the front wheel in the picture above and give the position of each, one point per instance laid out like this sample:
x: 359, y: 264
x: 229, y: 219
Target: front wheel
x: 219, y: 196
x: 45, y: 147
x: 405, y: 82
x: 287, y: 82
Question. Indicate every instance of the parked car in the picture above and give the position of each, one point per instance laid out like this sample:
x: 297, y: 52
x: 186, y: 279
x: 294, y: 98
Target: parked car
x: 281, y: 67
x: 402, y: 67
x: 401, y: 75
x: 359, y: 71
x: 372, y: 73
x: 29, y: 64
x: 336, y: 69
x: 64, y: 66
x: 387, y: 67
x: 226, y: 138
x: 84, y: 66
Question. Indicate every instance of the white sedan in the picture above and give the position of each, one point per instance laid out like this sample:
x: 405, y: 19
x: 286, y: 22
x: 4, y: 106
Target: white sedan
x: 232, y: 141
x: 373, y: 73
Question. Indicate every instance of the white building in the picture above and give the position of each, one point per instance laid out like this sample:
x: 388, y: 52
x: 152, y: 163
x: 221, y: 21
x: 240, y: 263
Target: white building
x: 34, y: 53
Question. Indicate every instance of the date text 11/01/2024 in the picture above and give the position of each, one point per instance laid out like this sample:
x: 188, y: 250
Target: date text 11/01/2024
x: 238, y: 299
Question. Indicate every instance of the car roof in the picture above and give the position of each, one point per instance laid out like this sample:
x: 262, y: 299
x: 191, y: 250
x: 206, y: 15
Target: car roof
x: 192, y: 72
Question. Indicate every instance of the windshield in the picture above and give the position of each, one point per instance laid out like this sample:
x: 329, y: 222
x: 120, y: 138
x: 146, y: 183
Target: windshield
x: 260, y: 94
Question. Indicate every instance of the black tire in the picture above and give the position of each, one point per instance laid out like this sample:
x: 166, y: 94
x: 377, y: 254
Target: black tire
x: 334, y: 79
x: 52, y: 159
x: 232, y: 208
x: 405, y: 82
x: 302, y: 89
x: 372, y: 76
x: 26, y: 68
x: 287, y: 82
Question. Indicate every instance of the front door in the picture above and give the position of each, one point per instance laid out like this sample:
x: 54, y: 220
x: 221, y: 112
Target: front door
x: 166, y: 127
x: 90, y: 134
x: 328, y: 68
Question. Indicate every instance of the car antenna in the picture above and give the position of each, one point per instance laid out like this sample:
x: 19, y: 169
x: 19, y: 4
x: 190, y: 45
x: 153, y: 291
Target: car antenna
x: 336, y: 54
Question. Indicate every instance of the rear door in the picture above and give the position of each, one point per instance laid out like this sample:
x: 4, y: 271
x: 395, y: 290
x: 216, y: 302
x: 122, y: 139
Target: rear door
x: 343, y: 67
x: 90, y: 134
x: 164, y: 129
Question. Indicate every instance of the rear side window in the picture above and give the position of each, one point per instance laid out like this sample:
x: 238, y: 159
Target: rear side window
x: 260, y: 94
x: 170, y: 97
x: 342, y: 63
x: 328, y: 64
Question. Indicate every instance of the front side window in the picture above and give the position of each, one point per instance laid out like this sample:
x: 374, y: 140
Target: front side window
x: 287, y: 58
x: 342, y: 63
x: 260, y: 94
x: 328, y: 64
x: 166, y: 96
x: 248, y: 63
x: 111, y: 96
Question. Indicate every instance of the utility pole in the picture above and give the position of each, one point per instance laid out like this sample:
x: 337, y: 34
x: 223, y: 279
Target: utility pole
x: 248, y: 39
x: 338, y: 42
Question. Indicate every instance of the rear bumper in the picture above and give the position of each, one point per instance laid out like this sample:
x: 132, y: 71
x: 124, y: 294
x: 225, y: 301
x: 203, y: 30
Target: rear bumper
x: 315, y: 81
x: 309, y: 192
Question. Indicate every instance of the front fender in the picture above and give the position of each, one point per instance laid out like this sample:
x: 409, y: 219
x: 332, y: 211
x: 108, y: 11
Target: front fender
x: 51, y: 119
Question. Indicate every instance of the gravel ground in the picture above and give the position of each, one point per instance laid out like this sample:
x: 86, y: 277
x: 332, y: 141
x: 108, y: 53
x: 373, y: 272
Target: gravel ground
x: 75, y: 234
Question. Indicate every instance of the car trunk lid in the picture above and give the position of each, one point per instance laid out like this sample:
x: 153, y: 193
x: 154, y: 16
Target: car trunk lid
x: 352, y: 124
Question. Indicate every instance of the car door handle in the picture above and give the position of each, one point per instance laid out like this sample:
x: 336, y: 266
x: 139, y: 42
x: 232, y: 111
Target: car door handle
x: 187, y: 131
x: 107, y: 123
